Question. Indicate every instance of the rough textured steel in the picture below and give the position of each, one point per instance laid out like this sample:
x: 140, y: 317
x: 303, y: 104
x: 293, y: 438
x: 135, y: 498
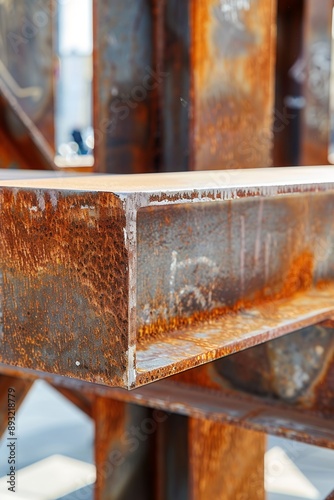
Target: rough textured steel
x: 316, y: 69
x: 26, y: 74
x: 125, y: 84
x: 289, y: 79
x: 202, y: 393
x: 232, y: 53
x: 297, y: 368
x: 136, y: 278
x: 212, y: 339
x: 57, y: 311
x: 225, y: 462
x: 173, y: 54
x: 123, y: 450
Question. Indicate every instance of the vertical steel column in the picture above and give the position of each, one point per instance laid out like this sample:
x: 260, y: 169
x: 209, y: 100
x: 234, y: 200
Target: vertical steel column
x: 317, y: 57
x: 125, y: 86
x: 123, y: 450
x: 26, y: 77
x: 232, y: 71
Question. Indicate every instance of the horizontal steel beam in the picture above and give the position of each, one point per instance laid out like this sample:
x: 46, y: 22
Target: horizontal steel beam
x: 124, y: 280
x: 199, y: 395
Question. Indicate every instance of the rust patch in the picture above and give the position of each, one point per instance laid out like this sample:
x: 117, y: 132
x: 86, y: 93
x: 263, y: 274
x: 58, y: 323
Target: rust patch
x: 232, y: 54
x: 299, y: 278
x: 158, y: 198
x: 323, y: 389
x: 64, y: 267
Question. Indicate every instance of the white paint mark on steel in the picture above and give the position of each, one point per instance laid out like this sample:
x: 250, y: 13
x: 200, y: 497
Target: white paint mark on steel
x: 175, y: 267
x: 242, y: 254
x: 267, y: 250
x: 173, y: 270
x: 258, y: 234
x: 188, y: 289
x: 54, y: 199
x: 40, y: 200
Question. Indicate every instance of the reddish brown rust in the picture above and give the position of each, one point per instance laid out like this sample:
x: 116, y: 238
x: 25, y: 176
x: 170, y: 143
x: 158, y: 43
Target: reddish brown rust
x: 232, y: 58
x: 212, y: 444
x: 316, y: 118
x: 64, y: 268
x: 299, y: 278
x: 202, y: 393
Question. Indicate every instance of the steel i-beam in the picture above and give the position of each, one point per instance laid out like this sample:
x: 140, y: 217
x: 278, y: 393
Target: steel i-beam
x: 124, y: 280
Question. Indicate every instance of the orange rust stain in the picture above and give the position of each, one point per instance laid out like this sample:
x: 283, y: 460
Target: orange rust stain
x: 240, y: 450
x: 201, y: 19
x: 299, y: 278
x: 34, y: 238
x: 232, y: 120
x: 200, y: 376
x: 78, y: 238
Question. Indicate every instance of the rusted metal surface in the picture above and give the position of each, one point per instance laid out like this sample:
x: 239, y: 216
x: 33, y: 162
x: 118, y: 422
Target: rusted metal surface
x: 21, y: 388
x: 225, y: 462
x: 172, y: 457
x: 297, y: 368
x: 289, y: 99
x: 212, y: 339
x: 125, y: 84
x: 123, y: 451
x: 233, y: 52
x: 193, y: 261
x: 181, y: 85
x: 26, y: 75
x: 203, y: 393
x: 173, y: 38
x: 315, y: 67
x: 56, y: 310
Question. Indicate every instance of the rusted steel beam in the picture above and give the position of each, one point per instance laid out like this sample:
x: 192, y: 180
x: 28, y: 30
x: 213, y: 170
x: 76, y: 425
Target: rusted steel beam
x: 183, y: 85
x: 26, y: 76
x: 10, y: 156
x: 124, y: 453
x: 315, y: 70
x: 172, y: 457
x: 136, y: 278
x: 232, y: 89
x: 297, y: 368
x: 203, y: 393
x: 288, y: 83
x: 145, y: 454
x: 225, y: 462
x: 125, y: 86
x: 173, y: 47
